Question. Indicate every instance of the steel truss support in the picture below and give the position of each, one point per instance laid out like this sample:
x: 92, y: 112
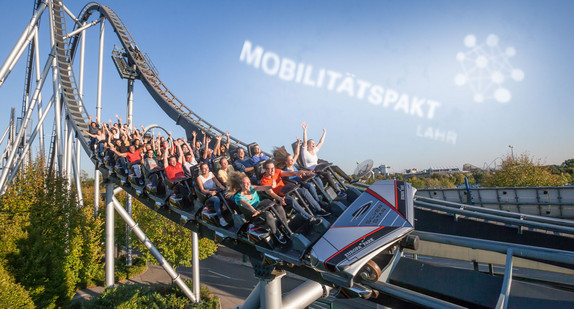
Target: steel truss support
x: 195, y: 265
x: 505, y: 291
x: 19, y: 160
x: 153, y: 250
x: 129, y: 197
x: 112, y: 204
x: 109, y: 235
x: 267, y: 294
x: 23, y: 41
x: 24, y: 125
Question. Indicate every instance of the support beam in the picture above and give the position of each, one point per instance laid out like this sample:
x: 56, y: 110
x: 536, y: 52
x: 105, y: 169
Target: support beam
x: 128, y: 231
x: 195, y: 264
x: 19, y: 160
x: 253, y: 300
x: 505, y: 291
x: 153, y: 250
x: 305, y: 294
x: 100, y: 71
x: 38, y: 80
x: 24, y: 126
x: 270, y: 296
x: 5, y: 69
x: 109, y: 235
x: 97, y: 176
x: 58, y: 145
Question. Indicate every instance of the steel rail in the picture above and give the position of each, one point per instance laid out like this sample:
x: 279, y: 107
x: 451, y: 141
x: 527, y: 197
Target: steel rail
x: 511, y: 221
x: 497, y: 212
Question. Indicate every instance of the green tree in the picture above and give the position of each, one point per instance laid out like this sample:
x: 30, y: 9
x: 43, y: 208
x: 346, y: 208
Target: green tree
x: 522, y: 171
x: 13, y: 295
x: 48, y: 238
x: 172, y: 240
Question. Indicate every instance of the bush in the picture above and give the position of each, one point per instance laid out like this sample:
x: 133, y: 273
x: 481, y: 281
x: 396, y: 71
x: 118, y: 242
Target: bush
x: 13, y: 295
x: 49, y: 244
x: 522, y: 171
x: 136, y: 296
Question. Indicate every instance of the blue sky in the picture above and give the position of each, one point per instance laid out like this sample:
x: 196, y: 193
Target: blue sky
x: 406, y: 46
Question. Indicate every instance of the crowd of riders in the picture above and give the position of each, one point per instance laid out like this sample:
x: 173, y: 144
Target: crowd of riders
x: 208, y: 169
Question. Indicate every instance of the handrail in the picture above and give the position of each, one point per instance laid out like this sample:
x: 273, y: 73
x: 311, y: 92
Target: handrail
x: 497, y: 212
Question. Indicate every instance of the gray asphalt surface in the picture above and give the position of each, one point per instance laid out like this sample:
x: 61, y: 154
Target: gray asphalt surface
x: 227, y: 277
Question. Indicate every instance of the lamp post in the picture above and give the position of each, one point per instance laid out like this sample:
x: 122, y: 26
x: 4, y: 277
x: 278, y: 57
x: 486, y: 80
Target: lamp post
x: 511, y: 151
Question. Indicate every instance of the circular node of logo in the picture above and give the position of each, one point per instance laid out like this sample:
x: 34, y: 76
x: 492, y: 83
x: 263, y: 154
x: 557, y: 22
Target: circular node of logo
x: 460, y: 79
x: 492, y: 40
x: 497, y: 77
x: 470, y: 41
x: 517, y: 75
x: 502, y: 95
x: 478, y: 97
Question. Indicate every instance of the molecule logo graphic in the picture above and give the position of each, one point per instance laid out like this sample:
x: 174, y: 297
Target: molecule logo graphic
x: 485, y: 68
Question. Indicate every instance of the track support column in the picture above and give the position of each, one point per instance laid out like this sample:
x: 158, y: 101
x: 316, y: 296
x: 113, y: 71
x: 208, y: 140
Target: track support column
x: 109, y: 235
x: 270, y: 296
x: 128, y: 231
x: 195, y: 265
x: 153, y: 250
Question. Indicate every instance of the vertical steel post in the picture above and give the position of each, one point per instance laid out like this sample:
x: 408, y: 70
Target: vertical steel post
x: 56, y: 91
x: 128, y: 231
x: 97, y: 173
x: 109, y: 235
x: 78, y: 171
x: 38, y: 77
x: 270, y: 296
x: 253, y: 300
x: 70, y: 149
x: 195, y: 264
x: 82, y: 60
x: 22, y: 131
x: 129, y: 197
x: 100, y: 69
x: 130, y: 103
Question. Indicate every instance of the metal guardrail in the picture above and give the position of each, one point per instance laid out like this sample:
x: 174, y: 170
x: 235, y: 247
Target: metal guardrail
x: 543, y: 201
x: 497, y: 218
x: 500, y: 213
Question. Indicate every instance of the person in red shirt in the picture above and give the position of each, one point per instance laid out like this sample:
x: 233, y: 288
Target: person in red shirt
x: 174, y: 171
x: 272, y: 178
x: 133, y: 155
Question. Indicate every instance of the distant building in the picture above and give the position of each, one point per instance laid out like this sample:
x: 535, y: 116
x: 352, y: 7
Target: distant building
x: 431, y: 171
x: 383, y: 169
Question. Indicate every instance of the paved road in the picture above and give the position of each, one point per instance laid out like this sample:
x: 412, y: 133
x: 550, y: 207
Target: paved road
x: 228, y: 277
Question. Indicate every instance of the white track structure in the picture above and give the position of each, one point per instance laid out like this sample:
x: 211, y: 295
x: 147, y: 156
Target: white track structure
x: 70, y: 118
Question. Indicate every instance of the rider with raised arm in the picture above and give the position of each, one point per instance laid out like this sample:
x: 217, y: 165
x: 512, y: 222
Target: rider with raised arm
x: 311, y: 160
x: 174, y: 171
x: 247, y: 199
x: 289, y: 166
x: 272, y: 178
x: 309, y: 149
x: 208, y: 185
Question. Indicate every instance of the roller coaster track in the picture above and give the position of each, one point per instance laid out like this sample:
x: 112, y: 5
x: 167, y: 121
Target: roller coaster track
x: 65, y: 46
x: 164, y: 97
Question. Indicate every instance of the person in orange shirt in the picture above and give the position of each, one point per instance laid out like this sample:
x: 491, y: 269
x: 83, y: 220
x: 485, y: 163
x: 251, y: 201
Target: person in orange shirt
x: 272, y: 178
